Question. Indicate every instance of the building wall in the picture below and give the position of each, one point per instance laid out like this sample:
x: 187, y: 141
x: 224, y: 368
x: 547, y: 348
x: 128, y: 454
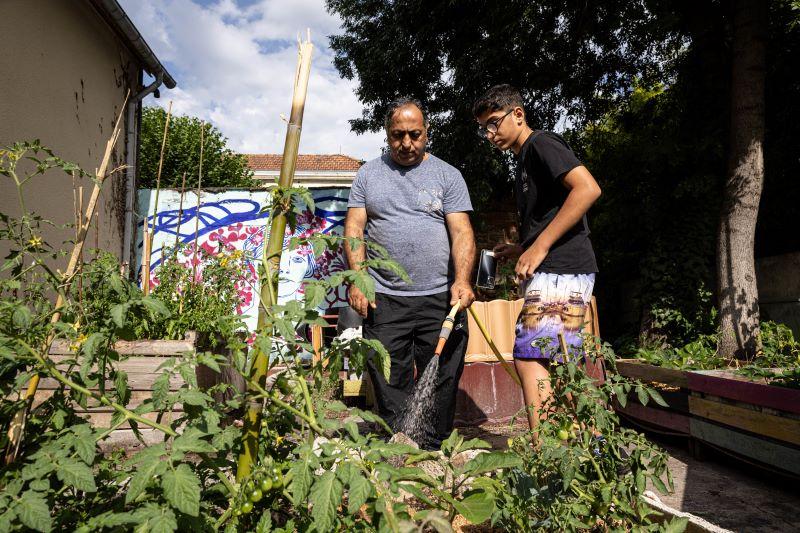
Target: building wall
x: 63, y: 78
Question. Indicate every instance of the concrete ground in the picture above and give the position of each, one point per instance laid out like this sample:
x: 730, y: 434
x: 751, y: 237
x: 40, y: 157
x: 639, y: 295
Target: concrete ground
x: 720, y: 489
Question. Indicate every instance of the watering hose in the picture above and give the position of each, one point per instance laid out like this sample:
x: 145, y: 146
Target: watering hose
x: 491, y: 344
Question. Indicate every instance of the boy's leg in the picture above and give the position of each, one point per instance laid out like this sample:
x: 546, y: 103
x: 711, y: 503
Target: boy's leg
x: 389, y: 323
x: 535, y: 377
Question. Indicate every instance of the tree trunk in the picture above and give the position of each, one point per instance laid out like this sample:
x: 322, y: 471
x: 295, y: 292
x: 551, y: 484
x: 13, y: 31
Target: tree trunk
x: 738, y: 293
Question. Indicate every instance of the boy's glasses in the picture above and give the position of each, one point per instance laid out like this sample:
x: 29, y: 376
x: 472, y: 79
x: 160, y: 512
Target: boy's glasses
x: 492, y: 125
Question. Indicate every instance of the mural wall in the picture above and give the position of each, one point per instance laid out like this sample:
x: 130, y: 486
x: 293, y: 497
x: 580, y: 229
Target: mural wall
x: 231, y: 220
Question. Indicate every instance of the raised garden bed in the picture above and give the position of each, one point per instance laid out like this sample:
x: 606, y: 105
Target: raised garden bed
x: 746, y: 417
x: 141, y: 360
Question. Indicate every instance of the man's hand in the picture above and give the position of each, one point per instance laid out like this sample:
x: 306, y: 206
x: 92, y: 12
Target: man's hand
x: 461, y: 290
x: 529, y: 261
x: 358, y: 301
x: 505, y: 251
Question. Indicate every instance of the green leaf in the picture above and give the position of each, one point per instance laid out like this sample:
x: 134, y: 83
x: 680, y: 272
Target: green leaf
x: 182, y: 489
x: 656, y: 396
x: 92, y: 343
x: 490, y: 462
x: 191, y: 441
x: 301, y: 477
x: 194, y: 397
x: 145, y: 474
x: 155, y: 306
x: 34, y: 512
x: 326, y: 494
x: 676, y: 525
x: 21, y: 317
x: 161, y: 389
x: 314, y: 294
x: 264, y: 524
x: 642, y: 394
x: 121, y: 386
x: 659, y: 484
x: 84, y: 446
x: 77, y: 474
x: 477, y: 507
x: 359, y: 493
x: 118, y: 313
x: 163, y: 522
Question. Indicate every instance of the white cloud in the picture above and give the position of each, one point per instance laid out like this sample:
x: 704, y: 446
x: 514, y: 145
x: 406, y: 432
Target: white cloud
x: 235, y: 67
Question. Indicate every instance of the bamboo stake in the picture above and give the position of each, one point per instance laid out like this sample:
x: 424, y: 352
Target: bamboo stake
x: 272, y: 255
x: 197, y: 214
x: 16, y: 428
x: 494, y: 348
x: 180, y: 212
x: 158, y: 176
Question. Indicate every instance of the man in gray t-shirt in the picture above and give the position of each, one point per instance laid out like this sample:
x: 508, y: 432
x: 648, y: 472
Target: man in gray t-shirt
x: 416, y: 206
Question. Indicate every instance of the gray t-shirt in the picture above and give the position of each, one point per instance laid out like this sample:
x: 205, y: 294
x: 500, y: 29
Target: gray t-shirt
x: 406, y: 207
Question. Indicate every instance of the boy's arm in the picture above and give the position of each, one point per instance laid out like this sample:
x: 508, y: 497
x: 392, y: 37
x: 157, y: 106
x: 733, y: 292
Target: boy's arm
x: 584, y: 191
x: 354, y: 225
x: 462, y: 251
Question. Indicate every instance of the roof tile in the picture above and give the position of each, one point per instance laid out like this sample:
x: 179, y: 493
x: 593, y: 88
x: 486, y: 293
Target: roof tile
x: 334, y: 162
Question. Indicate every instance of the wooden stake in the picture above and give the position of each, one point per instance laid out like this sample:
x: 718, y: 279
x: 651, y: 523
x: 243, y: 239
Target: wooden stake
x: 272, y: 254
x: 16, y: 428
x: 180, y: 213
x: 197, y: 214
x: 158, y: 176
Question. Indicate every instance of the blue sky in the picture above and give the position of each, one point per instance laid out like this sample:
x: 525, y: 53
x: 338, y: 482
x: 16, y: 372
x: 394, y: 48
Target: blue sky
x: 234, y: 62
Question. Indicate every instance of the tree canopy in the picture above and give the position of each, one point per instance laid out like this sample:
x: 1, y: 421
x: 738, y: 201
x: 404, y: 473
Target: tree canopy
x: 221, y: 166
x: 642, y: 92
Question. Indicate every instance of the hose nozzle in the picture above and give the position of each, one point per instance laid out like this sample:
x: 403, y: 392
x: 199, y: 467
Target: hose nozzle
x: 447, y: 327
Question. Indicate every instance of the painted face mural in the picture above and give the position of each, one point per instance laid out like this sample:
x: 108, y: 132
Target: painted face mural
x: 232, y: 220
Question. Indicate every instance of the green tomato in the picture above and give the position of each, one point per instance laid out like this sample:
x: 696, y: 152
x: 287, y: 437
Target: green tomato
x: 256, y: 495
x: 238, y: 512
x: 563, y: 434
x: 246, y: 507
x: 277, y: 481
x: 265, y: 485
x: 249, y: 487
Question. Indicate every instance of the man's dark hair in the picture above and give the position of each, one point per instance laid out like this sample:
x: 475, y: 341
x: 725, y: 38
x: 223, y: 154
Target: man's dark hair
x: 498, y: 98
x: 399, y: 103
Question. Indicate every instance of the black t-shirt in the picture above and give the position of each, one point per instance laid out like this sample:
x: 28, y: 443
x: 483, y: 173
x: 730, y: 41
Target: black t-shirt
x: 543, y: 162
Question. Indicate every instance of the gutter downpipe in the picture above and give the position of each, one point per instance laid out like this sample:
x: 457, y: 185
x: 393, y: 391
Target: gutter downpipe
x: 131, y: 150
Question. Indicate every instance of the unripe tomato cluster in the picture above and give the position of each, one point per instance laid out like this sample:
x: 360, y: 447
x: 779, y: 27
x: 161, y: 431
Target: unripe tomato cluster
x: 265, y: 480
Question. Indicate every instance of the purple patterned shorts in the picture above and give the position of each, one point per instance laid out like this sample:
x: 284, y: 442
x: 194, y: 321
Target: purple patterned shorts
x: 553, y: 303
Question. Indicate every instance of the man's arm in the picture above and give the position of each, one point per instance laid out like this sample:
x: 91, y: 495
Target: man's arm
x: 354, y: 225
x: 462, y: 250
x: 584, y: 191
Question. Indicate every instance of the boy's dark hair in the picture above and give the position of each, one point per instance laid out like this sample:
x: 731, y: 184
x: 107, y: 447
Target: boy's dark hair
x: 398, y: 103
x: 498, y: 98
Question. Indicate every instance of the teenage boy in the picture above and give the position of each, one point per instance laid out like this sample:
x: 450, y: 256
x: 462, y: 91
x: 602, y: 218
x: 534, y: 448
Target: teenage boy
x: 556, y: 264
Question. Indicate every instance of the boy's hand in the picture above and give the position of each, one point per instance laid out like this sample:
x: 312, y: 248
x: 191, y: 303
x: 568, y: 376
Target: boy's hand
x: 462, y: 290
x: 358, y: 301
x: 505, y: 251
x: 529, y: 261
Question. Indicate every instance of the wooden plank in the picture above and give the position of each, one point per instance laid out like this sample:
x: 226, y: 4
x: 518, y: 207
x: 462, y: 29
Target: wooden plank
x: 139, y: 347
x: 762, y: 450
x: 137, y: 398
x: 777, y: 427
x: 728, y: 385
x: 136, y: 381
x: 662, y: 418
x: 633, y: 368
x: 103, y: 420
